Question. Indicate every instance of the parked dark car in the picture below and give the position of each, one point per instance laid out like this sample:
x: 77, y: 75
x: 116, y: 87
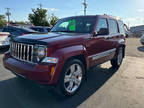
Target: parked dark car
x: 142, y: 39
x: 62, y: 57
x: 4, y: 40
x: 17, y: 31
x: 1, y: 28
x: 41, y: 29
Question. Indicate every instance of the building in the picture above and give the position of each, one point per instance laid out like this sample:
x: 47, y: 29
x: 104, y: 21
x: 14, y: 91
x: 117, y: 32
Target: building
x: 137, y: 29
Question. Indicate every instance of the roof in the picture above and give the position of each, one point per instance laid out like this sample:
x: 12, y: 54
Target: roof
x: 103, y: 16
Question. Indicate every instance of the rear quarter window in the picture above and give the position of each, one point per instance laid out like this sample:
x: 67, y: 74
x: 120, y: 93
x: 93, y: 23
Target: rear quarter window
x: 121, y: 27
x: 113, y: 28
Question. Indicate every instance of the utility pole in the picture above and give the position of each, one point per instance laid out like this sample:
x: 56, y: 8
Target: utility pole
x: 85, y: 6
x: 8, y: 14
x: 40, y: 5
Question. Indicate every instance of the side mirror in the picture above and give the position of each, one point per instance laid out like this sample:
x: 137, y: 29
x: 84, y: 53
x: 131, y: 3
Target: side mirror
x: 102, y: 31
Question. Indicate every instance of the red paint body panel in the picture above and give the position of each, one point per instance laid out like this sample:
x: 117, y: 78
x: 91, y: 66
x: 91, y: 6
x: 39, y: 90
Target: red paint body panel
x: 64, y: 46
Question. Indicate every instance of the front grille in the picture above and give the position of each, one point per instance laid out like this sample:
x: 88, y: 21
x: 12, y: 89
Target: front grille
x: 22, y: 51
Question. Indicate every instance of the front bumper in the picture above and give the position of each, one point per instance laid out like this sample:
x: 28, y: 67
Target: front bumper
x: 34, y: 72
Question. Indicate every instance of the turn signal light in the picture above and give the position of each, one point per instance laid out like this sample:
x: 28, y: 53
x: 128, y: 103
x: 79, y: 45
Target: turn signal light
x: 52, y: 71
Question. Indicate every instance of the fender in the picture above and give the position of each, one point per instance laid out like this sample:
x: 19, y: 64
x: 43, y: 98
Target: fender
x: 121, y: 43
x: 63, y: 54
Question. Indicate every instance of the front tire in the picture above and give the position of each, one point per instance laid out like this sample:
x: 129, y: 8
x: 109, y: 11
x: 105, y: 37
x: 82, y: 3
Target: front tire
x: 117, y: 61
x: 71, y: 79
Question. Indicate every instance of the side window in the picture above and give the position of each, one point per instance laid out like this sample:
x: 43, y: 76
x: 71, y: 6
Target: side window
x: 102, y: 26
x: 121, y: 27
x: 113, y: 26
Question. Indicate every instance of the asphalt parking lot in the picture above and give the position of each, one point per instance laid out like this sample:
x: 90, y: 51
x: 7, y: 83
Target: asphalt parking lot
x: 105, y: 87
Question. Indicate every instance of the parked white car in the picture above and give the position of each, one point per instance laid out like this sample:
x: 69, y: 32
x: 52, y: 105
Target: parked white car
x: 142, y: 40
x: 4, y: 39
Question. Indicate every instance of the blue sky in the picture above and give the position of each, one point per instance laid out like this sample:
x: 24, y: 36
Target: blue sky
x: 131, y: 11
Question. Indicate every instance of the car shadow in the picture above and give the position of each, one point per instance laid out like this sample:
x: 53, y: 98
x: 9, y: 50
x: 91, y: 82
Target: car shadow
x: 16, y: 93
x: 141, y: 48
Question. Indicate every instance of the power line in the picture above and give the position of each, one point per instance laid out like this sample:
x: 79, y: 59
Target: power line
x: 8, y: 14
x: 85, y: 6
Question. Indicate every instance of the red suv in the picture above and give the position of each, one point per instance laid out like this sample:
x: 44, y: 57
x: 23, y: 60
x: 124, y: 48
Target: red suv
x: 62, y: 57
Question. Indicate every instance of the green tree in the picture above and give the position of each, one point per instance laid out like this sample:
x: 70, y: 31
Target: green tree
x: 53, y: 19
x: 2, y: 20
x: 39, y: 17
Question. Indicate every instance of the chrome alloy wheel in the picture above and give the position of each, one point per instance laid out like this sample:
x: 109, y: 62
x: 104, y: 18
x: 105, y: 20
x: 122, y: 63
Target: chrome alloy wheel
x: 120, y: 56
x: 73, y: 78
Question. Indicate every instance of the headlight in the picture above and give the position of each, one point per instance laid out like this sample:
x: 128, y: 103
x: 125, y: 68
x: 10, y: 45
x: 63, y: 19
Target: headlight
x: 40, y: 52
x: 41, y: 55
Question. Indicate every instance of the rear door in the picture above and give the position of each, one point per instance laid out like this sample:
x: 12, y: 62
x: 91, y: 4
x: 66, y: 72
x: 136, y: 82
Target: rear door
x: 100, y: 46
x: 116, y: 32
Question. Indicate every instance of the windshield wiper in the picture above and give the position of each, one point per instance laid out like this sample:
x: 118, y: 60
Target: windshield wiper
x: 64, y: 31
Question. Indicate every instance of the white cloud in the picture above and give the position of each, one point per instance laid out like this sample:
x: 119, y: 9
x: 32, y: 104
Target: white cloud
x: 134, y: 21
x: 52, y: 9
x: 140, y: 10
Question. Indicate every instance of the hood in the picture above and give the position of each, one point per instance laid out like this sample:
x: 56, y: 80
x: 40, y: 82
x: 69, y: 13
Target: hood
x: 50, y: 38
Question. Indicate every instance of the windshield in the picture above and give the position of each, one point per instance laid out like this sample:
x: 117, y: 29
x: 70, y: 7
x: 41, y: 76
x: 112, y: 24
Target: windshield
x: 75, y: 25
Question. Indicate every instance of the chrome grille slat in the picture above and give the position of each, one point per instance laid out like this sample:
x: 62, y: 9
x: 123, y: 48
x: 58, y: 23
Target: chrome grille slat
x: 31, y: 53
x: 15, y: 49
x: 28, y: 48
x: 18, y: 50
x: 23, y: 52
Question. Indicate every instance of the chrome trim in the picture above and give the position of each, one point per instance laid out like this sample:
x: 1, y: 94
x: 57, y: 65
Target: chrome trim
x: 103, y: 54
x: 24, y: 52
x: 18, y: 51
x: 32, y: 48
x: 28, y: 52
x: 21, y: 51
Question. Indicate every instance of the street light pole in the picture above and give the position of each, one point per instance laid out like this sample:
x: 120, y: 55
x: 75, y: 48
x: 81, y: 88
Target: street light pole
x: 8, y: 14
x: 85, y: 6
x: 40, y: 5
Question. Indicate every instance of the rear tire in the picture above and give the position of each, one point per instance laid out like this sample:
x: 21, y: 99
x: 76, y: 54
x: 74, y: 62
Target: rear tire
x: 117, y: 61
x: 71, y: 79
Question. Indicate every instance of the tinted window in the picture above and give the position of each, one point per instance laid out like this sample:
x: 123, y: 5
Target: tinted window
x: 75, y: 25
x: 102, y: 24
x: 113, y: 27
x: 121, y: 27
x: 14, y: 31
x: 38, y: 29
x: 5, y: 30
x: 48, y: 29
